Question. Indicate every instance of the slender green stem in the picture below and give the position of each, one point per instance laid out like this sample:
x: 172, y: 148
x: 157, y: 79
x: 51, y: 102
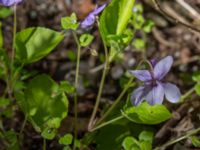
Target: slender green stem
x: 10, y: 76
x: 76, y: 86
x: 121, y: 95
x: 107, y: 123
x: 44, y: 144
x: 105, y: 70
x: 173, y: 141
x: 116, y: 101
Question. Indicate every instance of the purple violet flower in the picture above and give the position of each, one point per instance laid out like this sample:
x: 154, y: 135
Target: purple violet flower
x: 90, y: 19
x: 154, y: 88
x: 10, y: 2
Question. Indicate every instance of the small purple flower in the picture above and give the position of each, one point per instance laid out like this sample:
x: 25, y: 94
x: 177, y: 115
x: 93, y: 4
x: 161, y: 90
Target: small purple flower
x: 154, y: 88
x: 90, y: 19
x: 10, y: 2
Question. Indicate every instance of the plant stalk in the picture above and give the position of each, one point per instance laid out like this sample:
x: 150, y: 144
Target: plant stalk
x: 76, y: 86
x: 107, y: 123
x: 116, y: 101
x: 105, y: 70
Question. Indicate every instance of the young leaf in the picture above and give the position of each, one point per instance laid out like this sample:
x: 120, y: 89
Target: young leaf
x: 131, y: 143
x: 147, y: 114
x: 32, y: 44
x: 5, y: 12
x: 115, y: 17
x: 66, y: 139
x: 146, y: 136
x: 86, y: 39
x: 197, y: 88
x: 65, y: 86
x: 69, y: 22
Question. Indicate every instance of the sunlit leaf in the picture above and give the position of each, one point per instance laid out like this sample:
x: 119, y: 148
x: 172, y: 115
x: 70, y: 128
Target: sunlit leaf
x: 32, y: 44
x: 147, y: 114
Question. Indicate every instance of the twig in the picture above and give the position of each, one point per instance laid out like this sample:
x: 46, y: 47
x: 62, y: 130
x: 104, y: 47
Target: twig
x: 194, y: 13
x: 173, y: 141
x: 158, y: 7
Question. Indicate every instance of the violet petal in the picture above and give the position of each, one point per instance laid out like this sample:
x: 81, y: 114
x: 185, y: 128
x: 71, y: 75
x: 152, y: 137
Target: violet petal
x: 142, y: 75
x: 156, y: 95
x: 88, y: 21
x: 172, y: 92
x: 153, y: 62
x: 163, y: 67
x: 98, y: 10
x: 10, y: 2
x: 137, y: 96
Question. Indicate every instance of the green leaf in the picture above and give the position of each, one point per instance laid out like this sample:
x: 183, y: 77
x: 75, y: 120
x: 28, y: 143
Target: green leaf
x: 44, y: 105
x: 111, y: 137
x: 1, y: 36
x: 4, y: 102
x: 115, y: 17
x: 71, y: 55
x: 146, y: 136
x: 5, y: 12
x: 66, y: 139
x: 11, y: 137
x: 139, y: 44
x: 69, y: 22
x: 195, y: 141
x: 138, y: 21
x: 148, y: 25
x: 86, y: 39
x: 32, y: 44
x: 197, y: 88
x: 196, y: 76
x: 65, y: 86
x: 131, y: 143
x: 49, y: 133
x: 147, y: 114
x: 145, y: 145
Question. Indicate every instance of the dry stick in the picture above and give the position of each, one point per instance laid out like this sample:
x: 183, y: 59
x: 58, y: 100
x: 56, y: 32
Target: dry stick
x: 158, y: 6
x: 173, y: 141
x: 194, y: 13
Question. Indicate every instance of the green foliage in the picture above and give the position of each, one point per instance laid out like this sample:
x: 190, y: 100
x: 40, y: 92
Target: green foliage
x: 32, y: 44
x: 197, y: 88
x: 1, y: 36
x: 5, y: 12
x: 111, y: 137
x: 139, y: 44
x: 65, y: 86
x: 4, y: 102
x: 66, y: 139
x: 115, y: 18
x: 139, y: 22
x: 130, y: 143
x: 11, y: 137
x: 70, y: 22
x: 144, y: 142
x: 44, y: 105
x: 86, y: 39
x: 196, y: 78
x: 148, y: 25
x: 147, y: 114
x: 71, y: 55
x: 195, y: 141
